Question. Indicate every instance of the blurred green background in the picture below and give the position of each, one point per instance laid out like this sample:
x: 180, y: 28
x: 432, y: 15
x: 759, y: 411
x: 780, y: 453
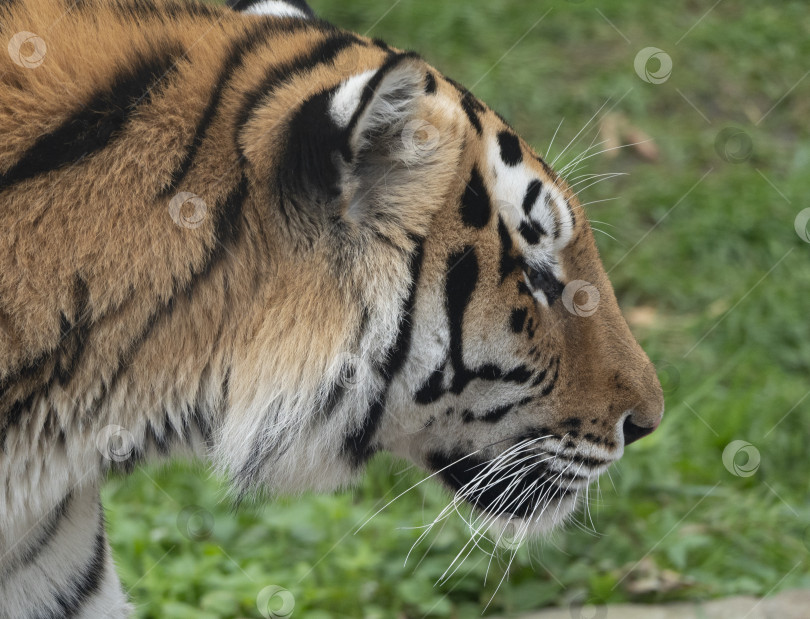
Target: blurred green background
x: 699, y: 238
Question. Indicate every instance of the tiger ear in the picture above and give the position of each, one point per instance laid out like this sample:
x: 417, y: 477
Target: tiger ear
x: 364, y: 150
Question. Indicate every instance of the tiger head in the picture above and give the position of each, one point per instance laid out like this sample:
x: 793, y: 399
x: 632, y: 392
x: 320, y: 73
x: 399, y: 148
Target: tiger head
x: 486, y: 344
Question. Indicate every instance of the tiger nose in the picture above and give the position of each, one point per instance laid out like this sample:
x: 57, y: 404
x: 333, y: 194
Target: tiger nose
x: 643, y: 405
x: 632, y: 431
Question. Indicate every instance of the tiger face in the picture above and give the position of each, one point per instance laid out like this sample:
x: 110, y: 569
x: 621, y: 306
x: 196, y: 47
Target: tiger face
x: 490, y: 349
x: 523, y: 382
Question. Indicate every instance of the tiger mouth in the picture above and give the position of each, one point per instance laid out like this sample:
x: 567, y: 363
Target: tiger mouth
x: 520, y: 485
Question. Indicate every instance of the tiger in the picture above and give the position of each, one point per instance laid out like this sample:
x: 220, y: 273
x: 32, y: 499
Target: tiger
x: 242, y: 234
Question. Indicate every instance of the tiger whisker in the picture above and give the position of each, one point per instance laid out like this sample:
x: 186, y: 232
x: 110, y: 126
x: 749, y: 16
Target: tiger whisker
x: 548, y: 150
x: 577, y: 159
x: 579, y: 132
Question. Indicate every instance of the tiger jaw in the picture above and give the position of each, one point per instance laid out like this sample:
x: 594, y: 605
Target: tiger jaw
x: 532, y: 482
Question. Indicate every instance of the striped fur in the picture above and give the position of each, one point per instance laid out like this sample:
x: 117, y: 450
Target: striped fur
x: 281, y: 247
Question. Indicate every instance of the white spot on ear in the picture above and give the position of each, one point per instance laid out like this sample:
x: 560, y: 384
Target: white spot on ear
x: 277, y: 8
x: 347, y: 98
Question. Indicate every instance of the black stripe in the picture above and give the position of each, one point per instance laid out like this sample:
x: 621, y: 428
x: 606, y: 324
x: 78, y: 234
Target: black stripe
x: 308, y: 172
x: 573, y: 217
x: 462, y: 278
x: 161, y: 437
x: 382, y: 45
x: 520, y: 374
x: 96, y: 124
x: 508, y: 262
x: 43, y: 537
x: 510, y: 148
x: 553, y: 381
x: 476, y: 209
x: 143, y: 9
x: 336, y: 393
x: 430, y: 84
x: 73, y: 335
x: 275, y: 76
x: 472, y: 107
x: 58, y: 364
x: 540, y: 377
x: 517, y: 319
x: 547, y: 168
x: 496, y: 414
x: 433, y: 389
x: 532, y: 193
x: 399, y: 353
x: 357, y: 444
x: 239, y: 50
x: 87, y: 582
x: 529, y: 233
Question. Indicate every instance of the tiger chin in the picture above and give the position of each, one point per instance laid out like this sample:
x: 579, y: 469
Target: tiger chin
x: 254, y: 238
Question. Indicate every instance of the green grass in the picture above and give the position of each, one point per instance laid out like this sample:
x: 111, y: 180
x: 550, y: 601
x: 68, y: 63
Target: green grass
x: 704, y: 251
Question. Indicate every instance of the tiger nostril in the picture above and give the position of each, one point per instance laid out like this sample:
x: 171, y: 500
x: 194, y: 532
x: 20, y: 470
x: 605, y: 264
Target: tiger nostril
x: 633, y: 432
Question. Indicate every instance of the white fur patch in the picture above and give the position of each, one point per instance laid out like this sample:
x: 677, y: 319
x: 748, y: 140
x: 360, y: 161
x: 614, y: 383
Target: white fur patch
x: 277, y: 8
x: 509, y: 185
x: 347, y: 97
